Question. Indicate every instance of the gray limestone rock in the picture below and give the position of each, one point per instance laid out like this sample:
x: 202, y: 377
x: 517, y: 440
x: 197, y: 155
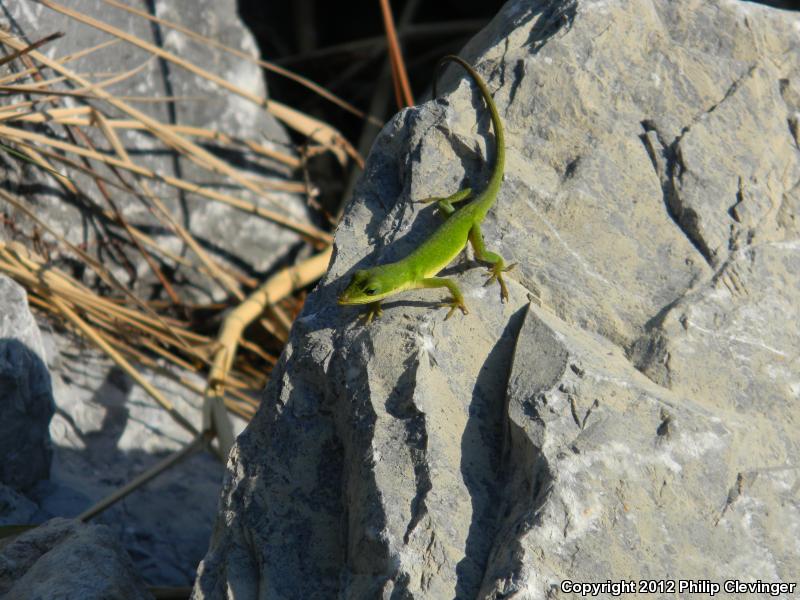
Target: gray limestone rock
x: 26, y: 397
x: 632, y: 411
x: 63, y: 560
x: 608, y: 475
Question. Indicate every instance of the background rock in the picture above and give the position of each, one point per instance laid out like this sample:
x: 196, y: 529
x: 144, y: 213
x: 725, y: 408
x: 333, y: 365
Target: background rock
x: 26, y: 398
x: 106, y: 430
x: 632, y: 412
x: 258, y: 245
x: 15, y: 509
x: 67, y: 559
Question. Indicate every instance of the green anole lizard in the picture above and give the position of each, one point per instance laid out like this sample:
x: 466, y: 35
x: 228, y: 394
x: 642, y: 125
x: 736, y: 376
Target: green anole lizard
x: 418, y: 269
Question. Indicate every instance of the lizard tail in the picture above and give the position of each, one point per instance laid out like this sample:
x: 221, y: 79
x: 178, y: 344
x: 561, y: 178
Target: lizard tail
x: 497, y: 175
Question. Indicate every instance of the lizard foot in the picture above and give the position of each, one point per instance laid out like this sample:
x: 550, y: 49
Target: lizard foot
x: 374, y: 310
x: 453, y: 305
x: 497, y: 271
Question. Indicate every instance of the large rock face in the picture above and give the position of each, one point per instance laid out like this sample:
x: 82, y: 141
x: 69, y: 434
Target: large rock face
x: 633, y: 411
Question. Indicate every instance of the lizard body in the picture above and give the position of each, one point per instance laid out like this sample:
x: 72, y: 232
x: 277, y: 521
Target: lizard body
x: 419, y: 268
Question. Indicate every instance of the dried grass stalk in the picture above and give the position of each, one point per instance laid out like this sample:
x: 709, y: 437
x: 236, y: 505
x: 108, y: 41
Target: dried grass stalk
x: 317, y: 130
x: 275, y: 289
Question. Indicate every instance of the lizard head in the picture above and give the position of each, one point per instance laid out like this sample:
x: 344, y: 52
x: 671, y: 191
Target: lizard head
x: 365, y: 286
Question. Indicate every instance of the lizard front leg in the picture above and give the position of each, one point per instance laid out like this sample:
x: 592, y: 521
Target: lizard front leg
x: 498, y: 265
x: 374, y: 311
x: 457, y: 300
x: 446, y: 204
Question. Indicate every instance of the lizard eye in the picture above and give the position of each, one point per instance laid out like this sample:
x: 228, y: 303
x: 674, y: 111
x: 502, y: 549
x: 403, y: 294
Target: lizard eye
x: 371, y: 287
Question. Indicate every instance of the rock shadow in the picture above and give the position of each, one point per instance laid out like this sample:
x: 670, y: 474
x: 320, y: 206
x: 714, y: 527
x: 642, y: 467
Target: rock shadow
x: 481, y: 457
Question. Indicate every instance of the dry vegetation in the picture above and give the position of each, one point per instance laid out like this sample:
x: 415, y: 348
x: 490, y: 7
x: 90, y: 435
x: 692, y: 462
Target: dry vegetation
x: 74, y: 131
x: 70, y: 126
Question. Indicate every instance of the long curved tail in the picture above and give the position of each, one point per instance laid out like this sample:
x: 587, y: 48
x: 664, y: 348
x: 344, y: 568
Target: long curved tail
x: 500, y: 153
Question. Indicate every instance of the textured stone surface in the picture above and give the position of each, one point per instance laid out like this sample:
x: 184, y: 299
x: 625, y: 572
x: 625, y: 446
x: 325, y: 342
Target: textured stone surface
x: 26, y: 398
x: 63, y: 559
x: 608, y: 475
x: 632, y: 412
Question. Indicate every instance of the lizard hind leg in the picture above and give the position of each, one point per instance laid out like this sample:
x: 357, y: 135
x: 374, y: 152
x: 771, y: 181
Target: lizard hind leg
x: 445, y: 205
x: 498, y: 265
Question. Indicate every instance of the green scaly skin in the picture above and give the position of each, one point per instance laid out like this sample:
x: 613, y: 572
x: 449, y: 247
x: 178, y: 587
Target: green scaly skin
x: 418, y: 269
